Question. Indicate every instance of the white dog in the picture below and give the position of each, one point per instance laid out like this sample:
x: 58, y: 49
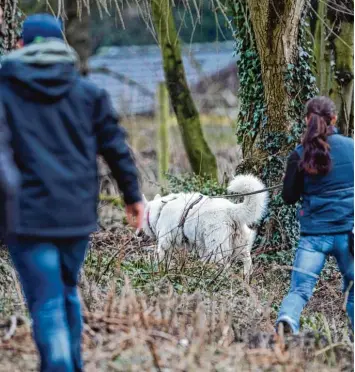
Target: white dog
x: 215, y: 227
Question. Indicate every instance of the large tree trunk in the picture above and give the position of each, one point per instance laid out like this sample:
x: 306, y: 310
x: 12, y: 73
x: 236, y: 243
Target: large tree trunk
x: 201, y: 158
x: 268, y: 40
x: 275, y: 24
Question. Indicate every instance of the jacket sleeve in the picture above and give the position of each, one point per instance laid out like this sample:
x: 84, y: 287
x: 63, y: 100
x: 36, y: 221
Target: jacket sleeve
x: 9, y: 175
x: 9, y: 183
x: 293, y: 180
x: 112, y: 145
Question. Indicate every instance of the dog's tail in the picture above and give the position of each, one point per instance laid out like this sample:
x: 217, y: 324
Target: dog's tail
x: 254, y: 206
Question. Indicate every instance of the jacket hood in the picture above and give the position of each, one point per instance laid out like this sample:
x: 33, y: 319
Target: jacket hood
x: 41, y: 71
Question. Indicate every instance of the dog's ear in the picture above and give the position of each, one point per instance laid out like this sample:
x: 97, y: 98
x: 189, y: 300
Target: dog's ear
x: 157, y: 196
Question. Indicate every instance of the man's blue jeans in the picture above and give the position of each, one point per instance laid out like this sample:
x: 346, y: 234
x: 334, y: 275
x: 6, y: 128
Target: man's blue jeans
x: 48, y: 270
x: 309, y: 262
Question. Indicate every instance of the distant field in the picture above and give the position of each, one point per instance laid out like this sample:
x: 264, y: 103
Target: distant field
x: 219, y: 133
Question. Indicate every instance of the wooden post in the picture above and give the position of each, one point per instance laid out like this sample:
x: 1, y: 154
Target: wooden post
x: 162, y: 116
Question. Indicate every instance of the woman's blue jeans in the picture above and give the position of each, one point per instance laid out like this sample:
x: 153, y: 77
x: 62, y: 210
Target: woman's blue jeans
x: 48, y: 270
x: 309, y: 262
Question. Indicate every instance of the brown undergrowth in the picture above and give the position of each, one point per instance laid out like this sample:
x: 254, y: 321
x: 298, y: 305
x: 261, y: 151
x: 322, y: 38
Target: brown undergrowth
x: 182, y: 315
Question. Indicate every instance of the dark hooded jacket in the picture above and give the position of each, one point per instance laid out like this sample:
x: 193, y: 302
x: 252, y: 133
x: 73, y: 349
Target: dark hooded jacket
x: 59, y: 122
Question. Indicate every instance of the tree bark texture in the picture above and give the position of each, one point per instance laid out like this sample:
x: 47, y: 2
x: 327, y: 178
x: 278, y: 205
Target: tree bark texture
x: 201, y: 158
x: 10, y: 25
x: 275, y: 24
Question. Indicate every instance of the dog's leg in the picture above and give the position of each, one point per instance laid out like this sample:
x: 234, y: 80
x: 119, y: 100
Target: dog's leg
x: 248, y: 264
x: 247, y: 268
x: 160, y: 251
x: 164, y: 245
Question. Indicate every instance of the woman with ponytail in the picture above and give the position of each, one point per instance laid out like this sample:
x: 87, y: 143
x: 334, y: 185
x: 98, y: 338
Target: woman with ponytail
x: 320, y: 173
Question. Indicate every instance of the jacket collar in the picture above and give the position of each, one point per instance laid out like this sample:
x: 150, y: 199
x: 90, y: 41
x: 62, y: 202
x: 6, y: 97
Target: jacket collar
x: 47, y: 52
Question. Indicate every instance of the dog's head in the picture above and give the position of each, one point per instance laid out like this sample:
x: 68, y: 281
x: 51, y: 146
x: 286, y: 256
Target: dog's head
x: 151, y: 209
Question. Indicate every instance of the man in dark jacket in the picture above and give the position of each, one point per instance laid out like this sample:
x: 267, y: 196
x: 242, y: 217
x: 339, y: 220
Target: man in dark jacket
x: 58, y: 122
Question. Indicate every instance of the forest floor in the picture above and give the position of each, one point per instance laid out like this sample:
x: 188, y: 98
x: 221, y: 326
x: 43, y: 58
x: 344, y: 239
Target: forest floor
x: 184, y: 315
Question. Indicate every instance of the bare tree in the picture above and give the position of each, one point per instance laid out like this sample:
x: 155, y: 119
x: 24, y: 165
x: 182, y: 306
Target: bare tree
x: 200, y: 156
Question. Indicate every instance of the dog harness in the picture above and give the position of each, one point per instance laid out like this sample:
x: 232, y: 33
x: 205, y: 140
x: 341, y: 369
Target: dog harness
x: 181, y: 224
x: 161, y: 209
x: 148, y: 222
x: 182, y: 219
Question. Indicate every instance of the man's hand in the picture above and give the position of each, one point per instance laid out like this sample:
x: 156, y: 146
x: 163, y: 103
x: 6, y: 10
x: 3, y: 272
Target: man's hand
x: 134, y: 213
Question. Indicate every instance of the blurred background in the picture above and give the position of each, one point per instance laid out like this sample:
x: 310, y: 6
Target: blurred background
x: 120, y: 53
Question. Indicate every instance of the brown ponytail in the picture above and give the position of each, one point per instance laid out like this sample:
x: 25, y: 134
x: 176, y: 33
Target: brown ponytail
x: 316, y: 157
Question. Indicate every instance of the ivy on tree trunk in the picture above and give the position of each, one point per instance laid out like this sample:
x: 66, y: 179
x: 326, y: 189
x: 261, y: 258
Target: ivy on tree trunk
x: 275, y: 82
x: 201, y: 158
x: 275, y: 25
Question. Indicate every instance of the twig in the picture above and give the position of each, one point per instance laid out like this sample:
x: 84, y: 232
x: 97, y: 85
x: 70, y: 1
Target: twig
x: 329, y: 347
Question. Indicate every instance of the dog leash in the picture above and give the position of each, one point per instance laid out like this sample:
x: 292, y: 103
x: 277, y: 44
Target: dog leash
x: 184, y: 216
x: 115, y: 199
x: 279, y: 186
